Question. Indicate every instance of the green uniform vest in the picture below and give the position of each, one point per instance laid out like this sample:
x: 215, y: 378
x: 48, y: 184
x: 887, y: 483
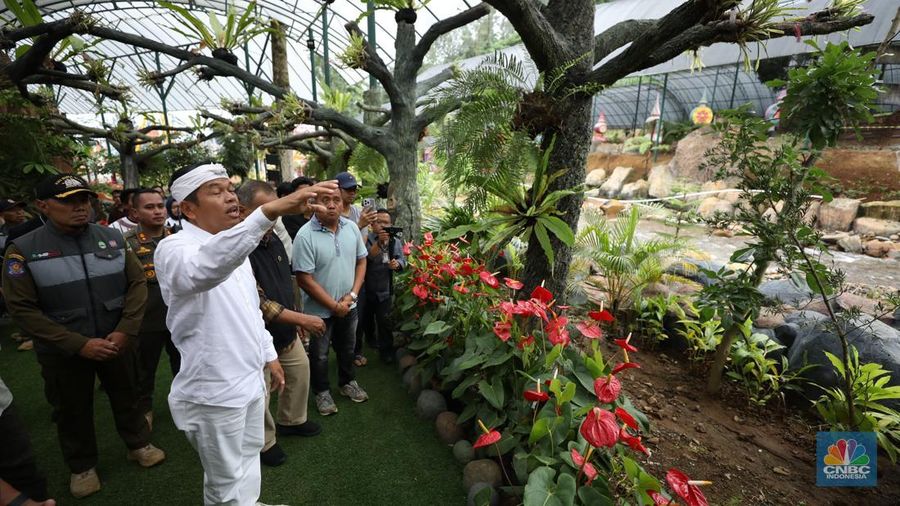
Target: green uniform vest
x: 144, y: 247
x: 81, y: 281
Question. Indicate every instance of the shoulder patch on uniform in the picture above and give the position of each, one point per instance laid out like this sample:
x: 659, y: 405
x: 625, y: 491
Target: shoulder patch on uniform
x: 15, y: 266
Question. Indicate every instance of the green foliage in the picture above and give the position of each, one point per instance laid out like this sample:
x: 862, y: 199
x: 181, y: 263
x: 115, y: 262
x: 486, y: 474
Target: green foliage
x: 702, y: 332
x: 626, y: 264
x: 369, y: 165
x: 354, y: 56
x: 237, y: 154
x: 28, y: 14
x: 651, y: 315
x: 869, y: 391
x: 238, y: 28
x: 761, y: 376
x: 836, y: 91
x: 336, y: 98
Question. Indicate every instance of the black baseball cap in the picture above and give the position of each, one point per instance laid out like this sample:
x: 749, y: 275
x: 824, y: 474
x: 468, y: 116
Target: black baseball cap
x: 346, y: 180
x: 61, y: 186
x: 7, y: 204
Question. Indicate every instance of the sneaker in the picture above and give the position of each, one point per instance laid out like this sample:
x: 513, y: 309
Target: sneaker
x: 273, y: 457
x: 147, y: 456
x: 306, y: 429
x: 84, y: 484
x: 26, y: 345
x: 354, y: 392
x: 325, y: 404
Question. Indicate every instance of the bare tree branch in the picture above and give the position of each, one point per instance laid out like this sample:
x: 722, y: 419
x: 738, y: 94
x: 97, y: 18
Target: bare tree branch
x: 618, y: 35
x: 376, y: 67
x: 113, y: 92
x: 145, y: 155
x: 444, y: 26
x: 542, y: 40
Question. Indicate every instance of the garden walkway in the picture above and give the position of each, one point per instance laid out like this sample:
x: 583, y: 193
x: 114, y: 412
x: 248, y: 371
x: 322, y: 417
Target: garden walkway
x: 373, y: 453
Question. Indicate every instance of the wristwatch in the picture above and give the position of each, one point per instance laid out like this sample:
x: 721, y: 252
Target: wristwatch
x: 354, y: 296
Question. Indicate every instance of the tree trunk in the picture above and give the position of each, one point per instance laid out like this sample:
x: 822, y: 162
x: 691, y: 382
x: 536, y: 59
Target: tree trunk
x: 131, y: 176
x: 281, y: 78
x: 569, y: 155
x: 403, y: 192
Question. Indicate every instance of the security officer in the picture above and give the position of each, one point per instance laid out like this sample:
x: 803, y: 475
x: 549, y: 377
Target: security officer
x: 149, y: 211
x: 72, y: 286
x: 13, y: 213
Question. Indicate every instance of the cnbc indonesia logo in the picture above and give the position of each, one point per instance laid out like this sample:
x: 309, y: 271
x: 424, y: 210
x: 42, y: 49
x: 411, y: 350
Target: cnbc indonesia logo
x: 847, y: 461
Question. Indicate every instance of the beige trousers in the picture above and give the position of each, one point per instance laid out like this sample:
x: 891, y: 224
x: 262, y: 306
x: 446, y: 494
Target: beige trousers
x: 292, y: 403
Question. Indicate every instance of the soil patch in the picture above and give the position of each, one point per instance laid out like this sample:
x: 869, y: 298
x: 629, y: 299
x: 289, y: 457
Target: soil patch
x: 868, y: 174
x: 753, y: 455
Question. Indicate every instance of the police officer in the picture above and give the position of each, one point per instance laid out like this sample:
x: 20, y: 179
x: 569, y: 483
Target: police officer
x: 13, y: 213
x: 149, y: 210
x: 72, y: 286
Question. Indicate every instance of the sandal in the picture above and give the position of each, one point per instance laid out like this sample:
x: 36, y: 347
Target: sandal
x: 360, y: 361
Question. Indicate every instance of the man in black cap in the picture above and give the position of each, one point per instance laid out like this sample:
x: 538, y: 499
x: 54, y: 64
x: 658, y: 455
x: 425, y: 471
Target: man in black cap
x: 73, y: 286
x: 349, y: 190
x: 13, y: 213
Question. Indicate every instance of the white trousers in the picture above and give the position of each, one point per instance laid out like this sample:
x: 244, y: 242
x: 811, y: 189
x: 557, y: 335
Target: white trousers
x: 228, y: 441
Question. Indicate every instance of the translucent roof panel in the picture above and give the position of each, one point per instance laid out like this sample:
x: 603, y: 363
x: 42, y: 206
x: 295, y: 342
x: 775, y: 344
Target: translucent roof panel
x: 147, y: 18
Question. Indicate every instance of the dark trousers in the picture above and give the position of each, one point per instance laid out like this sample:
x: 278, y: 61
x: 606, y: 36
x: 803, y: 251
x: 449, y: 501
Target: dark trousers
x: 375, y: 324
x: 341, y: 334
x: 150, y: 346
x: 69, y: 387
x: 17, y: 466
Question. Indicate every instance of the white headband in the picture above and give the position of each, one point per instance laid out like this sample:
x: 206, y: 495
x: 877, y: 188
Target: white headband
x: 186, y: 184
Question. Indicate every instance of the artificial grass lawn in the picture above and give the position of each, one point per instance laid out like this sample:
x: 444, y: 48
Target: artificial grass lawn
x: 375, y: 453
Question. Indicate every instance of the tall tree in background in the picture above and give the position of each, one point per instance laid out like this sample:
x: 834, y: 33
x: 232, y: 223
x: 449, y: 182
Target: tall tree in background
x: 560, y: 34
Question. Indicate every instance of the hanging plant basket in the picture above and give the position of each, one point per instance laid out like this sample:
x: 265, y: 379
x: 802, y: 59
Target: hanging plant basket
x: 220, y: 53
x: 535, y: 114
x: 406, y: 15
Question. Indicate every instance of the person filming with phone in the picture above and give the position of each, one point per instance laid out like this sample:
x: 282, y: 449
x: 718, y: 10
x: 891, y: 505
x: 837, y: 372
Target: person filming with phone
x: 385, y: 257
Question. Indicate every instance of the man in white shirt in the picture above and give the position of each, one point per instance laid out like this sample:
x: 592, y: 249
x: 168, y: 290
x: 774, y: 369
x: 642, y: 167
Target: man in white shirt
x: 217, y: 398
x: 125, y: 224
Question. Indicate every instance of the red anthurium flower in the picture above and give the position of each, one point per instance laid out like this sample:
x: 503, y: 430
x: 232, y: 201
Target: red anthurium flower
x: 601, y: 316
x: 542, y: 294
x: 420, y: 292
x: 507, y: 308
x: 489, y: 279
x: 634, y: 442
x: 589, y: 330
x: 429, y: 239
x: 407, y: 248
x: 461, y: 289
x: 488, y: 438
x: 536, y: 396
x: 449, y: 270
x: 626, y: 365
x: 525, y: 341
x: 623, y: 343
x: 466, y: 269
x: 659, y: 499
x: 512, y: 283
x: 502, y: 329
x: 557, y: 332
x: 607, y: 388
x: 600, y: 429
x: 590, y: 472
x: 577, y: 458
x: 626, y: 418
x: 686, y: 488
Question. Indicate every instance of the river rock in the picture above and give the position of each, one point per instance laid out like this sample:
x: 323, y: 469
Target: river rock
x: 812, y: 213
x: 612, y: 208
x: 660, y: 181
x: 430, y: 404
x: 874, y: 226
x: 713, y: 207
x: 838, y: 214
x: 785, y: 291
x: 613, y: 186
x: 635, y: 190
x: 850, y: 244
x: 875, y: 341
x: 447, y: 429
x: 878, y: 249
x: 595, y: 177
x: 834, y: 237
x: 690, y: 154
x: 711, y: 186
x: 406, y: 362
x: 400, y: 353
x: 494, y: 499
x: 463, y: 451
x: 482, y: 470
x: 882, y: 210
x: 413, y: 382
x: 693, y: 272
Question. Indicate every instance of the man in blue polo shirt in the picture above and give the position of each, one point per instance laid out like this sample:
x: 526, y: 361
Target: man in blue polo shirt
x: 329, y: 260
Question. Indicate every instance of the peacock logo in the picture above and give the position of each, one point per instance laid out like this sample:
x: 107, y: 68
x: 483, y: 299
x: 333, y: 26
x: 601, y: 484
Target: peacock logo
x: 846, y: 452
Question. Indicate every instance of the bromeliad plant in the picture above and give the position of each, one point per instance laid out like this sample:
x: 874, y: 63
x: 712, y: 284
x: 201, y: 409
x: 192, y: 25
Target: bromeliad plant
x: 554, y: 415
x: 221, y: 38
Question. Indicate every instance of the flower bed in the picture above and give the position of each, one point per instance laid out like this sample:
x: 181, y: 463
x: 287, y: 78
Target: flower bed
x: 550, y: 413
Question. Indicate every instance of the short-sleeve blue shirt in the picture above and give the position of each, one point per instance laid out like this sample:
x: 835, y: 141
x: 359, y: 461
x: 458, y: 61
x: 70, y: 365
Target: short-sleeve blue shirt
x: 329, y: 257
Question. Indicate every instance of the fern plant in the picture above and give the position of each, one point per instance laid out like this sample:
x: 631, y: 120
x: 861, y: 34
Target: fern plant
x: 626, y: 265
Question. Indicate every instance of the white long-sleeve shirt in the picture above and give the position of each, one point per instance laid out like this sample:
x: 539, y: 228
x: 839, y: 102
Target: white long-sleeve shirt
x: 214, y: 316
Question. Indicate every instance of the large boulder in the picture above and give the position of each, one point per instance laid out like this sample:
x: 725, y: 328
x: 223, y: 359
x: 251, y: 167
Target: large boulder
x: 635, y: 190
x: 690, y: 155
x: 850, y: 244
x: 620, y: 176
x: 689, y: 268
x: 430, y: 404
x: 595, y: 177
x: 713, y: 207
x: 881, y: 210
x: 660, y: 181
x: 875, y: 341
x: 482, y: 470
x: 711, y: 186
x: 878, y: 249
x: 838, y: 214
x: 875, y: 226
x: 786, y: 292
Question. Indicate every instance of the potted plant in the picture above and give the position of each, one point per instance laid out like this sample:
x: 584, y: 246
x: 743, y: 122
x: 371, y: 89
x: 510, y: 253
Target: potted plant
x: 221, y: 38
